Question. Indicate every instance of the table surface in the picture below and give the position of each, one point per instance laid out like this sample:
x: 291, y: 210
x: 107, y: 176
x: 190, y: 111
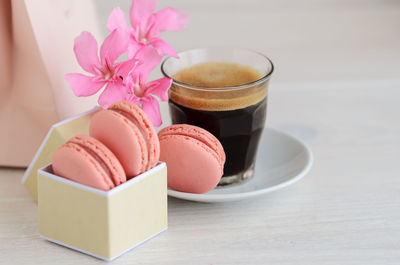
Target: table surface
x: 345, y: 211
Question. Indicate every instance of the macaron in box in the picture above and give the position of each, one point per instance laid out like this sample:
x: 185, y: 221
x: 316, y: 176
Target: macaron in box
x: 86, y: 200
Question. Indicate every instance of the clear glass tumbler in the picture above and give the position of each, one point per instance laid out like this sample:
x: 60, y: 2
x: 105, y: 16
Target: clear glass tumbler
x: 234, y: 114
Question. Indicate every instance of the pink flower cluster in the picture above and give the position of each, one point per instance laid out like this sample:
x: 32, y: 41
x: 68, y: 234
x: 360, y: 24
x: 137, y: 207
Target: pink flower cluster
x: 127, y: 80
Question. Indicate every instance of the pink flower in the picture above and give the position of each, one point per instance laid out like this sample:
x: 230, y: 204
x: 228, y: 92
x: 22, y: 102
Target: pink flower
x: 105, y: 71
x: 147, y: 26
x: 137, y: 91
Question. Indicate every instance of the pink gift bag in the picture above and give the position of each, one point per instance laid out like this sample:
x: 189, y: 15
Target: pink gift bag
x: 36, y: 41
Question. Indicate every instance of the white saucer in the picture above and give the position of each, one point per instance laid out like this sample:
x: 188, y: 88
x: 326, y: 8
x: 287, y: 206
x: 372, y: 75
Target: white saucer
x: 281, y: 161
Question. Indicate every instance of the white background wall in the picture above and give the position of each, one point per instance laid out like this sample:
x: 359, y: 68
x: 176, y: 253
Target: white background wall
x: 308, y: 40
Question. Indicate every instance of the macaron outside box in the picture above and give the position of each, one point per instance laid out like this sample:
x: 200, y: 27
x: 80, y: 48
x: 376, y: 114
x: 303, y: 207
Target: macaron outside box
x: 104, y: 224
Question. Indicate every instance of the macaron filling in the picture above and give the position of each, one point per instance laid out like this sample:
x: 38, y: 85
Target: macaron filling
x: 98, y: 159
x: 136, y: 123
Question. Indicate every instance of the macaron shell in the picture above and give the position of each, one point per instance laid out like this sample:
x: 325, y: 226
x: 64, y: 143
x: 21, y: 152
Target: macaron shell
x: 145, y: 125
x: 73, y: 162
x: 192, y: 166
x: 123, y: 138
x: 109, y: 160
x: 198, y: 133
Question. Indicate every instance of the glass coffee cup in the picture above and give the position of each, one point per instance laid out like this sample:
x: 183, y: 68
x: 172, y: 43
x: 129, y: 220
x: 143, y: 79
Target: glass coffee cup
x: 224, y: 91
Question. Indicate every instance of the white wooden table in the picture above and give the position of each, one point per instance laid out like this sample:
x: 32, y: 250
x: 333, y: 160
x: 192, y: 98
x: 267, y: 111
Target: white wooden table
x: 336, y: 87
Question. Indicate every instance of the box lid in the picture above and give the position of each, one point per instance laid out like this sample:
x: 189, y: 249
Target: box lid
x: 58, y: 134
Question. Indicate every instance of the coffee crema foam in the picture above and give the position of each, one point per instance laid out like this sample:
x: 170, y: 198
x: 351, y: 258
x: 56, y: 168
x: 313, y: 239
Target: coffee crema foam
x: 218, y: 75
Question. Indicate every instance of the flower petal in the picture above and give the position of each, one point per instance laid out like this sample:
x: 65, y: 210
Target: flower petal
x: 163, y: 47
x: 85, y: 48
x: 117, y: 20
x: 169, y: 19
x: 133, y: 48
x: 133, y: 99
x: 150, y: 58
x: 83, y: 85
x: 123, y: 68
x: 152, y: 109
x: 132, y: 79
x: 114, y: 92
x: 141, y: 10
x: 159, y: 88
x: 114, y: 45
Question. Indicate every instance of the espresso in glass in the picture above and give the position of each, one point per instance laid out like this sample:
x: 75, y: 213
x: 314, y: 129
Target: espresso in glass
x: 225, y: 94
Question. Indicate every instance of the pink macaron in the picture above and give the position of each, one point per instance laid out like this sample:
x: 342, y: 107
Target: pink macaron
x: 195, y: 158
x: 85, y: 160
x: 127, y: 131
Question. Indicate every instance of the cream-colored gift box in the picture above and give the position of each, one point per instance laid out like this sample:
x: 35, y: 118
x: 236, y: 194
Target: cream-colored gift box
x: 104, y: 224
